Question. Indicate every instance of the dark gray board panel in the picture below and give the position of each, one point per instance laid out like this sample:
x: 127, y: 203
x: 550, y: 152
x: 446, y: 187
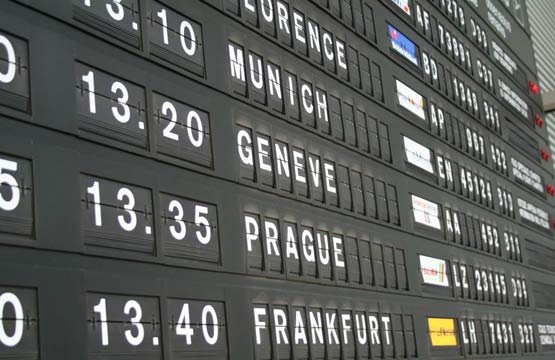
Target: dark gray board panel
x: 177, y: 220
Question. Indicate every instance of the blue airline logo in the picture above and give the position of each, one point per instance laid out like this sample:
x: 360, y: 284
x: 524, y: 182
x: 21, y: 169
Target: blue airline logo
x: 402, y: 44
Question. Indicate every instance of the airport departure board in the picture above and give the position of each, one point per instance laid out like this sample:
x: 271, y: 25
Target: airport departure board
x: 273, y: 179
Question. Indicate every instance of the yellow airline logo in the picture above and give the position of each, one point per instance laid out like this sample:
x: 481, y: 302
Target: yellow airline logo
x: 442, y: 331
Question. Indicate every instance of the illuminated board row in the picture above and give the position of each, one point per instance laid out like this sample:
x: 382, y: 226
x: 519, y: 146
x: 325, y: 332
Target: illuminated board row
x: 120, y: 218
x: 118, y: 324
x: 132, y: 325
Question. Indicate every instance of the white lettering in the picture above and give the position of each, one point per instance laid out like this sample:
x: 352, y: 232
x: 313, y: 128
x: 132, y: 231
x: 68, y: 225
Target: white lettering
x: 259, y: 324
x: 237, y: 62
x: 330, y: 177
x: 251, y: 230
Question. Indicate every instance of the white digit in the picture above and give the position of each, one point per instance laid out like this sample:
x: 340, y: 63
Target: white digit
x: 11, y: 181
x: 118, y: 13
x: 11, y: 341
x: 209, y: 310
x: 189, y: 50
x: 87, y: 2
x: 168, y: 106
x: 136, y: 322
x: 122, y: 100
x: 127, y: 226
x: 193, y: 115
x: 178, y: 235
x: 101, y: 309
x: 478, y: 280
x: 202, y: 220
x: 162, y: 15
x: 89, y: 79
x: 94, y: 190
x: 184, y: 324
x: 10, y: 73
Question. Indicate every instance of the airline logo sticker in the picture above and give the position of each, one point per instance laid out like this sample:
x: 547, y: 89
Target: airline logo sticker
x: 442, y: 332
x: 532, y: 213
x: 402, y: 44
x: 418, y: 155
x: 425, y: 212
x: 403, y: 5
x: 434, y: 271
x: 410, y: 100
x: 547, y: 334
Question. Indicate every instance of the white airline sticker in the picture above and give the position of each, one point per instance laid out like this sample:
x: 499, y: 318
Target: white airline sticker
x: 513, y: 99
x: 426, y: 212
x: 527, y: 175
x: 547, y: 334
x: 532, y: 213
x: 410, y: 100
x: 418, y: 155
x: 434, y: 271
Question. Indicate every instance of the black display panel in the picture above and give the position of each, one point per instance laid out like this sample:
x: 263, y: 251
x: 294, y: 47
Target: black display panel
x: 225, y: 179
